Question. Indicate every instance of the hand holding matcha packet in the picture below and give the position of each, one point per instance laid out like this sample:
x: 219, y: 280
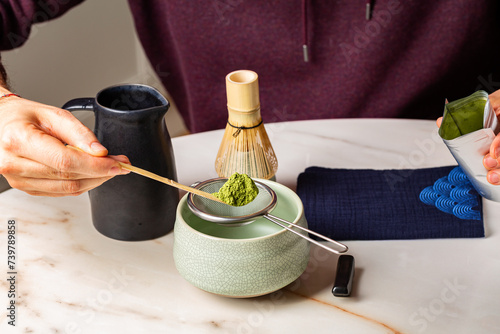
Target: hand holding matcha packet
x: 468, y: 128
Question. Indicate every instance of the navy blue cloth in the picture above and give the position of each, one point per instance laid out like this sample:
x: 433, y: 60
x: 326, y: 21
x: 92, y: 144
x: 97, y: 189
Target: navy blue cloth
x: 366, y: 204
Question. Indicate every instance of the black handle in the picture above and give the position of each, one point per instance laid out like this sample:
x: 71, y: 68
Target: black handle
x: 81, y: 103
x: 344, y: 277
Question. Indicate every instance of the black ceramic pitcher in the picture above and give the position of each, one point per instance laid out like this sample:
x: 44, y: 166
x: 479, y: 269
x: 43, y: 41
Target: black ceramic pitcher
x: 129, y: 120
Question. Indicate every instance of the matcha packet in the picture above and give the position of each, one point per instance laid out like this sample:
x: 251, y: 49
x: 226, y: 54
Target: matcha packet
x: 463, y: 116
x: 468, y: 128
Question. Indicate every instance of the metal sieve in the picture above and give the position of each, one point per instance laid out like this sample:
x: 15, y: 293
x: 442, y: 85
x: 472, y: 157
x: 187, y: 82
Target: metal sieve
x: 261, y: 206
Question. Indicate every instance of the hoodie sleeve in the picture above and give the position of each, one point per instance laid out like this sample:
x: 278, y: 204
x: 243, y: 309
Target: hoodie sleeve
x: 18, y: 16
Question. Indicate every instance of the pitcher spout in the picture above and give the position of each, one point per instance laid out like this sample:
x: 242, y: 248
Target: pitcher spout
x: 133, y: 97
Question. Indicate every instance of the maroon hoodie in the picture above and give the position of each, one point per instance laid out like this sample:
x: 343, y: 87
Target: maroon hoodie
x: 403, y: 61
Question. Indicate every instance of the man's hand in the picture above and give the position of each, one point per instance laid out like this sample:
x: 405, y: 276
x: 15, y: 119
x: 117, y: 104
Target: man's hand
x: 33, y: 156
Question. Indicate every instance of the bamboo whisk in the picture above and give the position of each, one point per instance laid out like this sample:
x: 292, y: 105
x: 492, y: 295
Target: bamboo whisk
x: 245, y: 146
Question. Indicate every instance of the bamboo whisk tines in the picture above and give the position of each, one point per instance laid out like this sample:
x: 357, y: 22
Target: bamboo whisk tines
x: 245, y: 146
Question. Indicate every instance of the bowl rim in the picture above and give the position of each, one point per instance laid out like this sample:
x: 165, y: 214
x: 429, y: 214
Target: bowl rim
x: 270, y: 183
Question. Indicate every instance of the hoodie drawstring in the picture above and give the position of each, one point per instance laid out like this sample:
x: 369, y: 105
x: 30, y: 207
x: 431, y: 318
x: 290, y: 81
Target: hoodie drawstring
x: 305, y: 41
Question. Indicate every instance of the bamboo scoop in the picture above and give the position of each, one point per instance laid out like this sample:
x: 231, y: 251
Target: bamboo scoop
x: 162, y: 179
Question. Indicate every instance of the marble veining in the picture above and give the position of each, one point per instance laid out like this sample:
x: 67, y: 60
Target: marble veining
x: 71, y: 279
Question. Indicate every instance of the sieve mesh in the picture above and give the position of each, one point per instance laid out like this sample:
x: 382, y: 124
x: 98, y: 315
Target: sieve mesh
x: 261, y: 206
x: 224, y: 213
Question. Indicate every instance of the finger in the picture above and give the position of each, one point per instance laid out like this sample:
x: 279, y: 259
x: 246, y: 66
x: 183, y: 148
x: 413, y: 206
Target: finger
x: 489, y: 162
x: 63, y: 125
x: 120, y: 158
x: 25, y: 168
x: 55, y: 187
x: 493, y: 176
x: 39, y: 146
x: 495, y: 147
x: 45, y: 194
x: 495, y: 101
x: 439, y: 121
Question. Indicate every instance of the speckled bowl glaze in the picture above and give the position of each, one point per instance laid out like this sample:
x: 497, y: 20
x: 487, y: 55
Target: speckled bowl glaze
x: 241, y: 261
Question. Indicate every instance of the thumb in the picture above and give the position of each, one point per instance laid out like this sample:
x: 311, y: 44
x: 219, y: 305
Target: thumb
x: 63, y: 125
x: 439, y: 121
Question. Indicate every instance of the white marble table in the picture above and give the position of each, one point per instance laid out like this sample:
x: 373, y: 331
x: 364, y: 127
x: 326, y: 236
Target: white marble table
x: 71, y: 279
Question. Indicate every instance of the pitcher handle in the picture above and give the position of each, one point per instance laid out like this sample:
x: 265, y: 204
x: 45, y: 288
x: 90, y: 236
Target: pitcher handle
x: 81, y: 103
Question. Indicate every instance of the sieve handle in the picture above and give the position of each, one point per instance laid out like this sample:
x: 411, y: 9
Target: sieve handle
x: 283, y: 223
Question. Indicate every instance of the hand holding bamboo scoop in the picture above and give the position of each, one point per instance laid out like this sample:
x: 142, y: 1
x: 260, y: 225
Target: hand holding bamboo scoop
x: 162, y: 179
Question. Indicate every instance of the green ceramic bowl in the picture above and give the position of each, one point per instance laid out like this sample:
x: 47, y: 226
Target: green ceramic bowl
x: 242, y: 261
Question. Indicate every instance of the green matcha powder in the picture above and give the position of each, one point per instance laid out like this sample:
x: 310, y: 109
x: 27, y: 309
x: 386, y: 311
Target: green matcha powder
x: 238, y: 190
